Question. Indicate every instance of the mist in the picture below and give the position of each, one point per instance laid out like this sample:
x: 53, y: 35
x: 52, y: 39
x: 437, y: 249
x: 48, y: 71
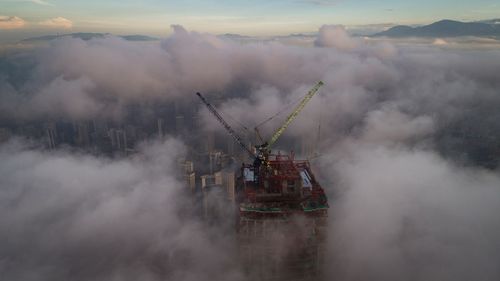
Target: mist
x: 68, y: 216
x: 407, y: 138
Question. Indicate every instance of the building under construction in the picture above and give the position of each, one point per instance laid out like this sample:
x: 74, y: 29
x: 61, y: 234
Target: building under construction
x: 282, y: 220
x: 282, y: 210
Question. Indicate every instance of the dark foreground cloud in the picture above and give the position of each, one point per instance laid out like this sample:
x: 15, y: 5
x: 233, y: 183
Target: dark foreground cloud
x: 409, y: 141
x: 77, y: 217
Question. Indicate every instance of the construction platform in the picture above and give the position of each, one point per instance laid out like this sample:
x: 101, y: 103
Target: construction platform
x: 282, y: 221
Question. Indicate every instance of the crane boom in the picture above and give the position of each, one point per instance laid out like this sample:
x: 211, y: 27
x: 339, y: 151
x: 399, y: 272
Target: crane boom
x: 226, y: 125
x: 294, y: 114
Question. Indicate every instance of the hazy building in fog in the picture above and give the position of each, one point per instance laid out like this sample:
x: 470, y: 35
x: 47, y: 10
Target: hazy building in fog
x: 226, y: 179
x: 82, y: 130
x: 214, y: 161
x: 159, y: 124
x: 209, y: 141
x: 118, y: 139
x: 179, y: 124
x: 187, y: 170
x: 218, y: 195
x: 190, y: 179
x: 66, y: 133
x: 4, y: 134
x: 52, y: 140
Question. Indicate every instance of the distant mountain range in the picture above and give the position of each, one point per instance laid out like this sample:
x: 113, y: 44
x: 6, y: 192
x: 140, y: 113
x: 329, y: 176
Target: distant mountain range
x: 446, y: 28
x: 88, y: 36
x: 443, y: 28
x: 233, y: 36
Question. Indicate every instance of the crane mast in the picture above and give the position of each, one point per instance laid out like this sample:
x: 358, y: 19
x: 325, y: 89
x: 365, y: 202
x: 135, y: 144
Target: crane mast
x: 226, y: 126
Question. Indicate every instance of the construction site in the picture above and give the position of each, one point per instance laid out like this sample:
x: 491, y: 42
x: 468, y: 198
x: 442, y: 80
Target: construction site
x: 281, y: 208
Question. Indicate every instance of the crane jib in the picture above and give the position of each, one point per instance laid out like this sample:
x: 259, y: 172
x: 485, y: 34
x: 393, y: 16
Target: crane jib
x: 226, y: 125
x: 263, y: 149
x: 294, y: 114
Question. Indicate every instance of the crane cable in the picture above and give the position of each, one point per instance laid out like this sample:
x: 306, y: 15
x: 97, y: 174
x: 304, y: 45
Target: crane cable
x: 228, y: 128
x: 281, y: 111
x: 294, y: 114
x: 232, y: 118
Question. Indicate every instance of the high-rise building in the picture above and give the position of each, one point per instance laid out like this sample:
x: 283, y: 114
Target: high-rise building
x: 82, y: 130
x: 227, y: 180
x: 118, y: 139
x: 282, y: 220
x: 214, y: 158
x: 190, y: 179
x: 206, y: 181
x: 187, y: 169
x: 52, y: 140
x: 66, y: 133
x: 218, y: 203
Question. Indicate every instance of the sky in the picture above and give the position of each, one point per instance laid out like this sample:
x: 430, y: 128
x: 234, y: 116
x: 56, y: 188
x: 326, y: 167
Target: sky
x: 20, y: 18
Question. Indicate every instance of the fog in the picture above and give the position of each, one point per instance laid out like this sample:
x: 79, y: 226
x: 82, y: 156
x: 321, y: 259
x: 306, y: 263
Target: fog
x: 68, y: 216
x: 408, y: 153
x: 407, y: 214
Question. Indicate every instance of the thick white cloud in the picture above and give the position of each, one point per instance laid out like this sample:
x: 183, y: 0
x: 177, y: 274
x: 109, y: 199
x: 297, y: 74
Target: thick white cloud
x: 336, y: 36
x: 58, y: 22
x: 11, y: 22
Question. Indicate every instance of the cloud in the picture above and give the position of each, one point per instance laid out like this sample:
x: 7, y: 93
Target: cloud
x: 72, y: 96
x: 409, y: 141
x: 83, y: 217
x: 335, y: 36
x: 391, y: 125
x: 403, y: 212
x: 58, y: 22
x: 11, y: 22
x: 440, y: 42
x: 41, y: 2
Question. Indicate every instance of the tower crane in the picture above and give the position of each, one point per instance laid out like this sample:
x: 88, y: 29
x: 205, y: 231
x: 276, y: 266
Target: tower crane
x: 263, y: 150
x: 265, y: 147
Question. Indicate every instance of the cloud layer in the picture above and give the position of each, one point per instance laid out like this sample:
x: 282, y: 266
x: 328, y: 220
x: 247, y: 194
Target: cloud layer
x: 409, y: 142
x: 404, y: 214
x: 78, y: 217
